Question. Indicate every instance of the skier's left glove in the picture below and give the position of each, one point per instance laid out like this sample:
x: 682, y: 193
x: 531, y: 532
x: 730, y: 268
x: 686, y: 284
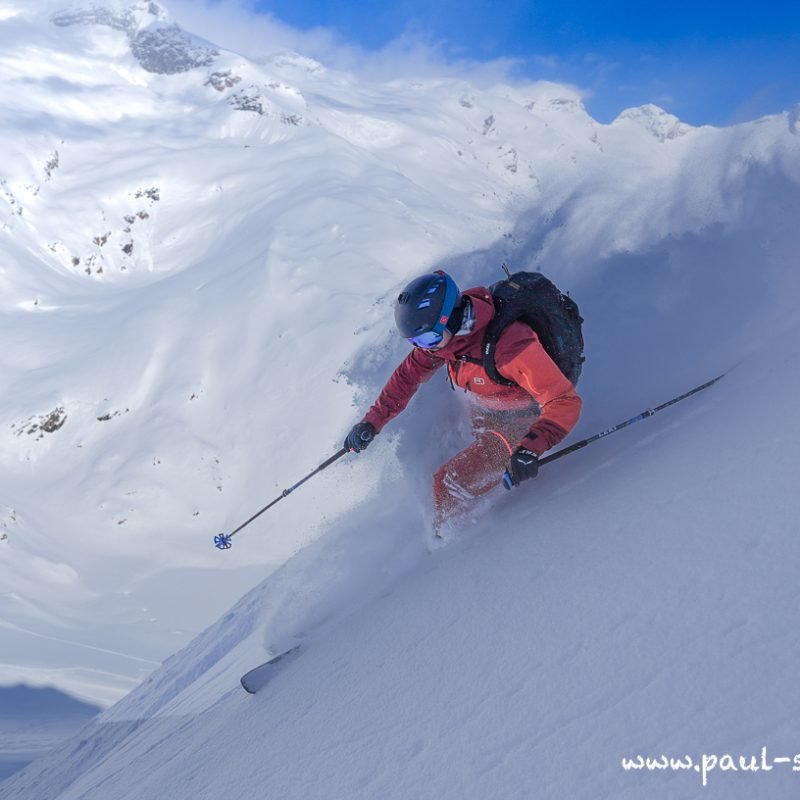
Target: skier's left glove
x: 359, y: 437
x: 524, y: 464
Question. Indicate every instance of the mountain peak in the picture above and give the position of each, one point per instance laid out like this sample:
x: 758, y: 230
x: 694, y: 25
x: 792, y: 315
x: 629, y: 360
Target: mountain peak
x: 660, y: 123
x: 128, y: 17
x: 158, y: 44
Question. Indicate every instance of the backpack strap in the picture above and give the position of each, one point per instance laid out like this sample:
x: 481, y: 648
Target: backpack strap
x: 490, y: 340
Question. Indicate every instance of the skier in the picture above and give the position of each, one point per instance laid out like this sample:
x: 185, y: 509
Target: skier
x: 512, y: 424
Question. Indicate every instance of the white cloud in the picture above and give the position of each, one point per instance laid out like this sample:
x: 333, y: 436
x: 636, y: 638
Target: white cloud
x: 234, y: 25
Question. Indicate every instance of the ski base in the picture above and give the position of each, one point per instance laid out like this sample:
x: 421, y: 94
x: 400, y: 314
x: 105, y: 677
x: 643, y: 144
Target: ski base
x: 260, y: 676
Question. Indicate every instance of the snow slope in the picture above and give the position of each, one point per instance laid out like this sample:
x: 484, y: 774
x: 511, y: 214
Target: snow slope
x: 636, y: 599
x: 166, y: 240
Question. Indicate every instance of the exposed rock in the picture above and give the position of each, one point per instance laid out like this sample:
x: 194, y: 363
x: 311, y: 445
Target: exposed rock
x: 153, y: 194
x: 250, y: 99
x: 53, y: 421
x: 109, y: 416
x: 565, y: 104
x: 169, y: 50
x: 51, y: 165
x: 511, y: 159
x: 45, y: 423
x: 222, y: 80
x: 16, y: 208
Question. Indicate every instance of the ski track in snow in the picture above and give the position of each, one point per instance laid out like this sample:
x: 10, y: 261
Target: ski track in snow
x: 240, y: 232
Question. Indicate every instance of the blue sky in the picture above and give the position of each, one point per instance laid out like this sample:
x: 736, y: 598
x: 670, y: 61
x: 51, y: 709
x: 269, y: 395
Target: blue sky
x: 707, y: 62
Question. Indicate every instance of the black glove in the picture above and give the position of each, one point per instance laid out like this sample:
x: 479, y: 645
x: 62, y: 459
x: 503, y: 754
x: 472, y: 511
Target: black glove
x: 359, y: 438
x: 524, y: 464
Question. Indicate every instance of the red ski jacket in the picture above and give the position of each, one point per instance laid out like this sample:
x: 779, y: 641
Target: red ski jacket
x: 519, y: 357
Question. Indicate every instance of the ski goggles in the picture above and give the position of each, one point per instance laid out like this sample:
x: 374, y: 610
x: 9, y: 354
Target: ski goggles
x: 427, y: 340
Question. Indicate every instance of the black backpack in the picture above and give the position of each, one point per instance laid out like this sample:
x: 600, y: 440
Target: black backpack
x: 531, y: 298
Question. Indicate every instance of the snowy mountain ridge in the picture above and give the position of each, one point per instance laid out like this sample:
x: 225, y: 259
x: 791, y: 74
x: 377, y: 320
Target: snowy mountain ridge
x: 158, y: 46
x: 198, y: 268
x: 129, y: 17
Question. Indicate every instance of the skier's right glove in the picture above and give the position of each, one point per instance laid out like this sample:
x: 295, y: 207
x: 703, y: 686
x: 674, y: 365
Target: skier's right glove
x: 524, y: 464
x: 359, y: 438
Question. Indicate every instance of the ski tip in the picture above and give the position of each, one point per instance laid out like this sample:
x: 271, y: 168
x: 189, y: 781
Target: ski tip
x: 260, y: 676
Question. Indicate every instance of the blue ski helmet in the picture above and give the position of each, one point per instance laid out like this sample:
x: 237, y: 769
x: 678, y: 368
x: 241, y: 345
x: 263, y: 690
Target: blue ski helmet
x: 424, y: 308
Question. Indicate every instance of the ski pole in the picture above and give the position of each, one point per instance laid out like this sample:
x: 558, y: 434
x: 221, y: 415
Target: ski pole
x: 644, y: 415
x: 223, y: 541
